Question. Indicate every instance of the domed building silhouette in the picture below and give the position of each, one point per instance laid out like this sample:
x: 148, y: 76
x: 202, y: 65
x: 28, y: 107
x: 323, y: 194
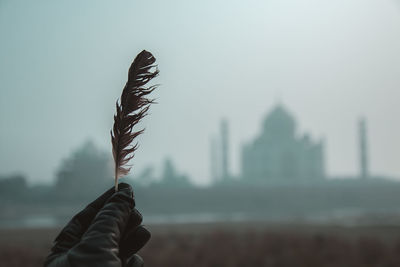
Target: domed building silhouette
x: 279, y: 154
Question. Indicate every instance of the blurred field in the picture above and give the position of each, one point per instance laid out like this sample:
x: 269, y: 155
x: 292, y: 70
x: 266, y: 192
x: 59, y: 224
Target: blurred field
x: 234, y: 244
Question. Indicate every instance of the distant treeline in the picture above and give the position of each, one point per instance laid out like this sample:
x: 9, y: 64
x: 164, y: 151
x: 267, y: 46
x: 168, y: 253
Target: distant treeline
x: 82, y: 176
x: 85, y: 174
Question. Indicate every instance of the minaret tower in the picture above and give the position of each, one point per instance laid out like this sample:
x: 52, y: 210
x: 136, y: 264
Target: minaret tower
x: 214, y: 160
x: 224, y: 149
x: 362, y: 131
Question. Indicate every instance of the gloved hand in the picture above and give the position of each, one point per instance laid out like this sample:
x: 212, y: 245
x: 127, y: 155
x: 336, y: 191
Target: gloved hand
x: 107, y: 233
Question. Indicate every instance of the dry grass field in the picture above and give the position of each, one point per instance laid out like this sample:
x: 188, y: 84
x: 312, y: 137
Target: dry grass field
x: 234, y: 244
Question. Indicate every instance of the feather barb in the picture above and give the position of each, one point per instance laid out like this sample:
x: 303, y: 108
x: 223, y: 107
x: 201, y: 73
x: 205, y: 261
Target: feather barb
x: 130, y: 110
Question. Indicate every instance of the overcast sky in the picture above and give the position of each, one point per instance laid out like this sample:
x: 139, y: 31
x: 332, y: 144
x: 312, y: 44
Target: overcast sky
x: 63, y: 64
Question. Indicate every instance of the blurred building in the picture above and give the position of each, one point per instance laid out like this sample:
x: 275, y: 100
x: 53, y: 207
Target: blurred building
x: 279, y: 154
x: 171, y: 177
x: 85, y: 173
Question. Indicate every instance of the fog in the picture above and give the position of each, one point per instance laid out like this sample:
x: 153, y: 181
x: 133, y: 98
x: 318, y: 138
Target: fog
x: 63, y: 66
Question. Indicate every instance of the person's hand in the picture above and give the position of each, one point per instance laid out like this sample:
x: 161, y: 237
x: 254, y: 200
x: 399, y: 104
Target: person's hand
x: 107, y: 233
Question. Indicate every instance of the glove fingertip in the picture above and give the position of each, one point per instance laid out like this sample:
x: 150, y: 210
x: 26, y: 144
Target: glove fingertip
x: 135, y: 261
x: 123, y: 195
x: 135, y: 241
x: 143, y: 234
x: 126, y: 189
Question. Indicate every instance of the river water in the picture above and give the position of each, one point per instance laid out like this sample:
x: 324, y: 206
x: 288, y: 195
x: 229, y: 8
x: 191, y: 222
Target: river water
x: 344, y: 217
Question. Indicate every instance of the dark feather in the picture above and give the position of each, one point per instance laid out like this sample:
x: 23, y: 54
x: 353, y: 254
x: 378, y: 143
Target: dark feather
x: 131, y: 109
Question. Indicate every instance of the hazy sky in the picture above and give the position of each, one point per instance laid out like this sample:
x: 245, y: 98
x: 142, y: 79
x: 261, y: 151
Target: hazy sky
x: 64, y: 63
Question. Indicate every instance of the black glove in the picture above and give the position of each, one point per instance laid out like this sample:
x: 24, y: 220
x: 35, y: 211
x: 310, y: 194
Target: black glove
x: 107, y: 233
